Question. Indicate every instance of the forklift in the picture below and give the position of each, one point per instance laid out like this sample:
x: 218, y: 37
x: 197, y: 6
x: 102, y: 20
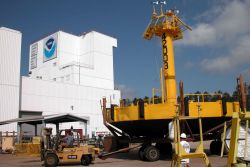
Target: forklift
x: 56, y: 150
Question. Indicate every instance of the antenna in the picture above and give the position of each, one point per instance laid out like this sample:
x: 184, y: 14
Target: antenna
x: 155, y: 2
x: 154, y: 10
x: 162, y: 3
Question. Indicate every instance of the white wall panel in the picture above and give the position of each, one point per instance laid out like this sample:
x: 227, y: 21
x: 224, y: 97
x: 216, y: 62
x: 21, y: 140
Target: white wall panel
x: 53, y: 97
x: 10, y: 56
x: 103, y: 42
x: 9, y: 106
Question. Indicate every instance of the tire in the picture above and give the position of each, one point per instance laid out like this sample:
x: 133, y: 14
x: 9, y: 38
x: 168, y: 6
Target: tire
x: 50, y: 160
x: 85, y: 160
x: 165, y: 149
x: 141, y: 154
x: 215, y: 147
x: 152, y: 153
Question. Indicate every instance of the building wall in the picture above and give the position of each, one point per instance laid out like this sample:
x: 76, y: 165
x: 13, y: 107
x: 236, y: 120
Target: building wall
x: 10, y: 56
x: 85, y: 60
x: 55, y: 97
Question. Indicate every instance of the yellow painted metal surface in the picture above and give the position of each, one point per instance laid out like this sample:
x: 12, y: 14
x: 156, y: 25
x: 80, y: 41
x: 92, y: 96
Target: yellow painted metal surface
x: 208, y: 109
x: 75, y: 154
x: 126, y: 114
x: 180, y: 152
x: 212, y: 109
x: 159, y: 111
x: 232, y: 107
x: 167, y: 111
x: 169, y: 67
x: 151, y: 111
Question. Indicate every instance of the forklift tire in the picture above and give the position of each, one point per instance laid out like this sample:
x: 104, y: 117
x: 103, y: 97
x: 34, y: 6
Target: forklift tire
x: 85, y: 160
x: 152, y: 153
x: 50, y: 160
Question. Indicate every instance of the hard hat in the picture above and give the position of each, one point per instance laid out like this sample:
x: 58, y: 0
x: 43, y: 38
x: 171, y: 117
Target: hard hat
x: 183, y: 135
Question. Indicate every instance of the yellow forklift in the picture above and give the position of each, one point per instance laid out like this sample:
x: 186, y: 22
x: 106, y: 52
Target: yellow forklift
x: 56, y: 150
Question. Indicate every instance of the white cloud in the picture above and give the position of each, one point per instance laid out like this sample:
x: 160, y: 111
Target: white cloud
x: 229, y: 22
x: 218, y: 65
x: 238, y: 55
x: 228, y: 28
x: 203, y: 34
x: 126, y: 92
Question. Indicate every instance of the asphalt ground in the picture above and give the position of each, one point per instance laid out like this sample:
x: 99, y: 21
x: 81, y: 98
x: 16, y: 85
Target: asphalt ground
x: 129, y: 159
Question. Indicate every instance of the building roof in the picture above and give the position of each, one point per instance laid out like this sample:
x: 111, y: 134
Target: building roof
x: 53, y: 119
x: 11, y: 30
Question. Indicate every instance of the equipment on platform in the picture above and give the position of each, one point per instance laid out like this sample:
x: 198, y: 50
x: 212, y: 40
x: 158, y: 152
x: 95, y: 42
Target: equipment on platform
x: 62, y: 149
x: 148, y: 122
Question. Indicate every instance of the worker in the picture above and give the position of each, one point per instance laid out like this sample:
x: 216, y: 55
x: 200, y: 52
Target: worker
x: 186, y: 146
x: 69, y: 140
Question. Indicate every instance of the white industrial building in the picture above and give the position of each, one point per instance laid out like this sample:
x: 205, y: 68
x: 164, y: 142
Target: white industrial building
x: 68, y: 74
x: 10, y: 59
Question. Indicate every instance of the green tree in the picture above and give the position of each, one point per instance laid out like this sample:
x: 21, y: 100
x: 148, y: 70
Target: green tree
x: 207, y: 96
x: 146, y: 99
x: 135, y: 101
x: 226, y: 96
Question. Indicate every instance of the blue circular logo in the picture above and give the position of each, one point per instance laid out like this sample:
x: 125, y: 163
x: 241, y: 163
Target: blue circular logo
x: 50, y: 48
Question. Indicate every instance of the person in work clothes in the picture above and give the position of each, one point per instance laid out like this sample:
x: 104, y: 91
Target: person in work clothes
x: 186, y: 146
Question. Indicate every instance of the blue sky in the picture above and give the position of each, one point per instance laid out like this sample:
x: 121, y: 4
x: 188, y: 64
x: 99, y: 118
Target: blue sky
x: 209, y: 58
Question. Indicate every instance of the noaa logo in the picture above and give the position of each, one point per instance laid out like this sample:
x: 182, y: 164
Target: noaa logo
x: 49, y: 48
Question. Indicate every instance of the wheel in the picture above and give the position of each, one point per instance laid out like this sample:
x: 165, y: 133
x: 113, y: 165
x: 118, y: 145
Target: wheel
x: 212, y: 147
x: 51, y: 160
x: 141, y: 153
x: 152, y: 153
x: 165, y: 148
x: 85, y: 160
x: 215, y: 147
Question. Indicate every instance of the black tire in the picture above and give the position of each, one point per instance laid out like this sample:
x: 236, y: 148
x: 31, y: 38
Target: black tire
x: 165, y: 149
x: 152, y: 153
x: 215, y: 147
x: 50, y: 160
x: 85, y: 160
x: 219, y: 145
x: 141, y: 154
